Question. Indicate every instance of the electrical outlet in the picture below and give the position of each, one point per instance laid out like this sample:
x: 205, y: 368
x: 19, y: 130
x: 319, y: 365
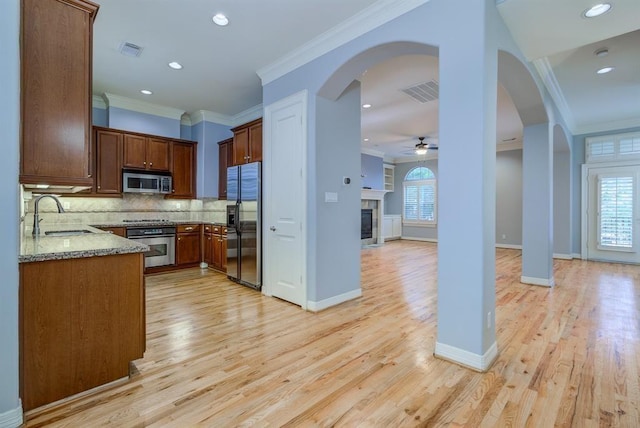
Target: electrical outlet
x: 489, y: 319
x: 66, y: 205
x: 504, y: 236
x: 178, y: 205
x: 65, y: 243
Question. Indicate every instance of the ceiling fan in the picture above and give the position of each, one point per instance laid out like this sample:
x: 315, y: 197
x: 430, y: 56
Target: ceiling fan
x: 421, y: 148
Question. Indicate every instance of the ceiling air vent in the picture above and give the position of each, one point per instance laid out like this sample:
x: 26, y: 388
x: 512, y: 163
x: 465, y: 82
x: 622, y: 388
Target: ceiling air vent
x: 129, y: 49
x: 424, y: 92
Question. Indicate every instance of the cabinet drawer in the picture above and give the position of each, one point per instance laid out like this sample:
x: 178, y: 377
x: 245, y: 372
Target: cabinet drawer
x: 188, y: 228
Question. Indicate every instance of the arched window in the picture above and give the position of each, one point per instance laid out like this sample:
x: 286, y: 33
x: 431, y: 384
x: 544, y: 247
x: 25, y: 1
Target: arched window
x: 420, y: 197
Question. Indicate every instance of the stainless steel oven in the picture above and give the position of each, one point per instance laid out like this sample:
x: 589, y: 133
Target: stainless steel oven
x: 161, y: 242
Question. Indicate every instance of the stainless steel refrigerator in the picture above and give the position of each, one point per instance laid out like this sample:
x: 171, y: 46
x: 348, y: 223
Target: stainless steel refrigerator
x: 244, y: 252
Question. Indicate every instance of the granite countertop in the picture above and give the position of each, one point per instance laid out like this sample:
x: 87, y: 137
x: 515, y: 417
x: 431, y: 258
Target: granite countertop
x: 98, y: 243
x: 161, y: 223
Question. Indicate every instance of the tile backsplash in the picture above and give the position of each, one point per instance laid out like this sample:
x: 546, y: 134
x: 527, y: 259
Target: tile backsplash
x: 130, y: 207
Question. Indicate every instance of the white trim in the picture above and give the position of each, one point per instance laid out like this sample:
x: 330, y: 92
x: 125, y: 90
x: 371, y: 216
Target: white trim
x: 372, y: 152
x: 417, y: 158
x: 414, y: 238
x: 577, y: 256
x: 468, y: 359
x: 562, y: 256
x: 209, y: 116
x: 544, y: 282
x: 301, y: 98
x: 509, y: 246
x: 12, y: 418
x: 185, y: 120
x: 143, y: 107
x: 372, y: 194
x: 366, y: 20
x: 252, y: 113
x: 98, y: 102
x: 584, y: 206
x: 544, y: 69
x: 333, y: 301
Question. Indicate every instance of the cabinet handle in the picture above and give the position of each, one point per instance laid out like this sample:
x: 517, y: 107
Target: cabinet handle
x: 144, y: 162
x: 99, y: 187
x: 179, y: 239
x: 188, y: 228
x: 150, y: 163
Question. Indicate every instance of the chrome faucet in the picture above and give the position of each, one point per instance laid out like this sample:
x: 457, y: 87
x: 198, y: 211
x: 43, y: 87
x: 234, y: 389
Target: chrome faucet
x: 36, y: 216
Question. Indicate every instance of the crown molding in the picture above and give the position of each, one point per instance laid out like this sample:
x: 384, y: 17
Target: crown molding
x: 545, y: 71
x: 372, y: 152
x: 248, y: 115
x: 98, y: 102
x: 185, y: 120
x: 614, y: 125
x: 513, y: 145
x: 210, y: 116
x: 416, y: 158
x: 366, y: 20
x: 143, y: 107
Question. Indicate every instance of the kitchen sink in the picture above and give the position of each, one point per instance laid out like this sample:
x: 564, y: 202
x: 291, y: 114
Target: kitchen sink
x: 67, y: 232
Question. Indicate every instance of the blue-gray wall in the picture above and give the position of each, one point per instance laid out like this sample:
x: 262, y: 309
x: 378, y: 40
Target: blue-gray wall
x: 145, y: 123
x: 185, y: 132
x: 207, y: 134
x: 9, y: 247
x: 577, y: 159
x: 100, y: 117
x: 372, y: 169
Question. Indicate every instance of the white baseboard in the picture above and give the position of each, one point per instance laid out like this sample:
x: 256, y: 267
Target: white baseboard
x: 509, y: 246
x: 12, y: 418
x: 466, y: 358
x: 562, y: 256
x: 335, y: 300
x: 413, y: 238
x: 577, y: 256
x: 545, y: 282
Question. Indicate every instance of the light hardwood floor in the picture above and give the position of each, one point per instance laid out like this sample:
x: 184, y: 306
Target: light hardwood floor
x: 219, y: 354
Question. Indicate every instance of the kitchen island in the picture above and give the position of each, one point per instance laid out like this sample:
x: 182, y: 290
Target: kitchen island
x: 82, y: 311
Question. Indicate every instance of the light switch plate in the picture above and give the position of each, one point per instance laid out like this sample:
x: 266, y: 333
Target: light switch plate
x: 330, y: 197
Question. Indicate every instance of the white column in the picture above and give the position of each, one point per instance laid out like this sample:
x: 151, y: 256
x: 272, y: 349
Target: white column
x: 537, y: 206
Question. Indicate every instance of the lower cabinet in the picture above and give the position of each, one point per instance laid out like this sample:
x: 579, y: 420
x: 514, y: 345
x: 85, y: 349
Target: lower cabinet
x: 120, y: 231
x: 392, y: 227
x: 188, y: 245
x: 215, y: 247
x: 82, y: 321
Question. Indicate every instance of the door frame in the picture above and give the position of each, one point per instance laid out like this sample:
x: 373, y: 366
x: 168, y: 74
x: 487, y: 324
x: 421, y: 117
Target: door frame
x: 584, y: 207
x: 301, y: 98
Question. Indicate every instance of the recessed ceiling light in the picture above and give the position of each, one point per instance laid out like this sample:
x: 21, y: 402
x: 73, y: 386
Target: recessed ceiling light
x: 601, y: 52
x: 146, y: 91
x: 366, y: 139
x: 220, y: 19
x: 366, y: 105
x: 175, y: 65
x: 605, y: 70
x: 597, y: 10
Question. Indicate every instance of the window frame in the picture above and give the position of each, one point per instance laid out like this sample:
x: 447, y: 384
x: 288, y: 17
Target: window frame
x: 431, y: 181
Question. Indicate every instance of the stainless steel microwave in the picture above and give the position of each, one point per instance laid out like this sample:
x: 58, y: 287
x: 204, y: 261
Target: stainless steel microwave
x: 145, y: 182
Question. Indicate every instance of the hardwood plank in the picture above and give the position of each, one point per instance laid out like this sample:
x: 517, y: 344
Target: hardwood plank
x: 219, y: 354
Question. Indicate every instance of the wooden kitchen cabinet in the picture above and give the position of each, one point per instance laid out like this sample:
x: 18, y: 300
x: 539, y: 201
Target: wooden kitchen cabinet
x: 108, y: 169
x: 225, y: 160
x: 120, y: 231
x: 247, y: 142
x: 188, y: 245
x: 147, y: 153
x: 56, y: 87
x: 183, y: 170
x: 82, y: 321
x: 215, y: 247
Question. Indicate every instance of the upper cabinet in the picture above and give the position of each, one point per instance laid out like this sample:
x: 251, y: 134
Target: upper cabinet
x: 56, y: 58
x: 247, y: 143
x: 145, y: 153
x: 225, y: 159
x: 183, y: 170
x: 108, y: 170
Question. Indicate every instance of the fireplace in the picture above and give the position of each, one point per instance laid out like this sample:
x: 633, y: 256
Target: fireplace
x: 366, y: 223
x: 373, y: 201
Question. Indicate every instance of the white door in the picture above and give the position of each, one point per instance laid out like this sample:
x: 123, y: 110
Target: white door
x: 284, y: 202
x: 613, y: 230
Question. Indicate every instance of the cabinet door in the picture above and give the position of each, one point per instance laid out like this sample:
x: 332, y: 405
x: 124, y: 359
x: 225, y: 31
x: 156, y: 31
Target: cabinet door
x: 157, y: 154
x: 183, y: 170
x: 135, y: 148
x: 240, y: 146
x: 108, y: 162
x: 56, y: 58
x: 255, y: 143
x: 223, y: 253
x: 208, y: 249
x: 188, y: 248
x: 217, y: 252
x: 225, y: 159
